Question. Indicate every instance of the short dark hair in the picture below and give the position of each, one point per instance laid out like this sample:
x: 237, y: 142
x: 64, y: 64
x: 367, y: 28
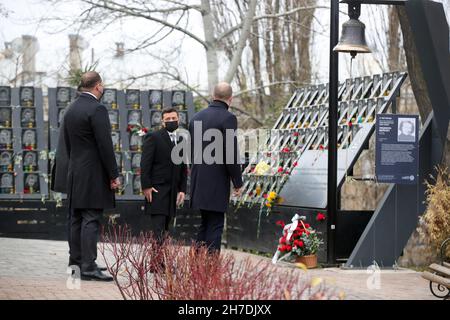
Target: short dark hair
x: 89, y: 80
x: 168, y: 110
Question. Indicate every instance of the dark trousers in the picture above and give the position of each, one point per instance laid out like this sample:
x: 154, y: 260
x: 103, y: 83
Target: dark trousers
x: 211, y: 228
x: 84, y: 228
x: 159, y: 226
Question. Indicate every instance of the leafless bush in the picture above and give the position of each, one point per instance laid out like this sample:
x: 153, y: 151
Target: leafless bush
x: 172, y: 271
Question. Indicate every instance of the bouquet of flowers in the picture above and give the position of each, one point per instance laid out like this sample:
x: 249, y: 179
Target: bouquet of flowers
x: 299, y: 239
x: 137, y: 129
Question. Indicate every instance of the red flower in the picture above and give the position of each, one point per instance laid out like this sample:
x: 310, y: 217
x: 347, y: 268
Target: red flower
x: 320, y: 216
x: 295, y: 164
x: 280, y: 223
x: 296, y: 134
x: 285, y: 150
x: 265, y: 195
x: 280, y: 169
x: 300, y: 244
x: 321, y: 147
x: 307, y: 225
x: 145, y: 130
x: 282, y: 240
x: 350, y: 123
x: 288, y: 248
x: 250, y: 193
x: 28, y: 147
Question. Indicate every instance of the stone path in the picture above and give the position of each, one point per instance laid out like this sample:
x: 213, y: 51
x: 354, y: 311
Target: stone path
x: 36, y: 269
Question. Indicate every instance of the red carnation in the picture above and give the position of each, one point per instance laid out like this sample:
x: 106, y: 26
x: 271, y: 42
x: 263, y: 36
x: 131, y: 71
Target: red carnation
x: 296, y: 134
x: 320, y: 216
x: 280, y: 169
x: 286, y: 150
x: 307, y: 225
x: 280, y: 223
x: 288, y: 248
x: 321, y: 147
x: 300, y: 244
x: 145, y: 130
x: 350, y: 124
x: 295, y: 164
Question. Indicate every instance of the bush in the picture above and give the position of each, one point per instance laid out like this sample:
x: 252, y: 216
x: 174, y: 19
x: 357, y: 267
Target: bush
x: 436, y: 220
x: 143, y: 270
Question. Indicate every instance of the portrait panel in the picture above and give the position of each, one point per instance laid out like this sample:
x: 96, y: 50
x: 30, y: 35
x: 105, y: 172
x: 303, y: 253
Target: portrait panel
x: 5, y: 96
x: 27, y: 117
x: 155, y: 118
x: 30, y: 160
x: 6, y: 117
x: 6, y: 160
x: 29, y: 139
x: 109, y: 98
x: 137, y: 184
x: 6, y: 182
x: 183, y: 117
x: 135, y: 142
x: 178, y: 98
x: 61, y: 113
x: 31, y: 183
x: 115, y: 136
x: 136, y: 161
x: 134, y: 117
x: 5, y: 139
x: 26, y: 96
x: 132, y: 98
x: 119, y: 160
x: 155, y: 99
x: 63, y: 96
x: 114, y: 119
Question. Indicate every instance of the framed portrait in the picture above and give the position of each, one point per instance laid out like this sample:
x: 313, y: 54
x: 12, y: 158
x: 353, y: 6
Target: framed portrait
x: 63, y: 96
x: 5, y: 139
x: 132, y: 98
x: 5, y: 96
x: 155, y: 99
x: 119, y: 160
x: 134, y: 117
x: 137, y: 184
x: 31, y: 183
x: 27, y: 117
x: 136, y: 161
x: 61, y: 113
x: 29, y: 139
x: 6, y: 160
x: 114, y: 119
x: 109, y: 98
x: 178, y: 98
x: 406, y: 130
x: 183, y: 117
x: 6, y: 183
x: 6, y: 117
x: 26, y: 96
x: 155, y: 118
x: 115, y: 136
x: 30, y: 161
x: 135, y: 142
x: 120, y: 190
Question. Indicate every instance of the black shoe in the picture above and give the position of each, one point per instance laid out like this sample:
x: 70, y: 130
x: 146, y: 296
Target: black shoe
x: 102, y: 268
x: 95, y: 275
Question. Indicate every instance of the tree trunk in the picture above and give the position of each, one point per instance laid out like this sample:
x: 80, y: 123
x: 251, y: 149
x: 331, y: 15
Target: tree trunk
x: 211, y: 45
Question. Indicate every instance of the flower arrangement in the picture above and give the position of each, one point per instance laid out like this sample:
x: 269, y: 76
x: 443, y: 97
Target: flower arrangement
x: 137, y: 129
x: 299, y: 239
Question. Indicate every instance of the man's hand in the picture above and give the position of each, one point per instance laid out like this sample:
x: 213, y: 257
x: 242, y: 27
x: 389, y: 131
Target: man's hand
x: 115, y: 184
x: 180, y: 198
x: 148, y: 193
x: 237, y: 192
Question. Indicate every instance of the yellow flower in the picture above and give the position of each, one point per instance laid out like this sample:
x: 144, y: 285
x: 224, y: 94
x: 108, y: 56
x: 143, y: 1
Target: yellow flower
x: 258, y: 190
x: 261, y: 168
x: 291, y: 125
x: 268, y: 205
x: 272, y: 195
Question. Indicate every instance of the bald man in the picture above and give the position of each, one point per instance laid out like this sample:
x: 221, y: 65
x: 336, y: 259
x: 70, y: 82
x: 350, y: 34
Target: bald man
x: 92, y: 173
x: 211, y: 180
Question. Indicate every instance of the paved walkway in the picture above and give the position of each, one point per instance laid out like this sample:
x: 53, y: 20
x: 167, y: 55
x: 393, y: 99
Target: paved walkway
x: 36, y: 269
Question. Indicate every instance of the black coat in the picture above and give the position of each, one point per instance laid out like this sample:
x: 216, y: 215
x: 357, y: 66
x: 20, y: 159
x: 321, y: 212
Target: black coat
x: 92, y: 162
x: 158, y: 171
x: 210, y: 183
x: 60, y: 165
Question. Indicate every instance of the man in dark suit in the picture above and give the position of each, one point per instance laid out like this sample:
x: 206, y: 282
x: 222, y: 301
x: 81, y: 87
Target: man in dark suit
x: 92, y: 173
x: 163, y: 181
x: 210, y: 178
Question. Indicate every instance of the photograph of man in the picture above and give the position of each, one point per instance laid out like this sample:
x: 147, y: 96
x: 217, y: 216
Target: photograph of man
x: 62, y: 96
x: 113, y: 118
x: 92, y: 175
x: 406, y: 130
x: 155, y: 98
x: 29, y: 138
x: 31, y: 182
x: 132, y: 97
x: 5, y: 137
x: 134, y: 117
x: 27, y: 117
x: 6, y: 182
x: 5, y: 159
x: 29, y: 159
x: 5, y: 117
x: 5, y: 96
x: 26, y: 96
x: 163, y: 182
x: 109, y: 97
x: 210, y: 181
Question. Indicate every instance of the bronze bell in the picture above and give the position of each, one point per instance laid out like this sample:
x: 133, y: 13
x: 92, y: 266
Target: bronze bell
x: 353, y: 39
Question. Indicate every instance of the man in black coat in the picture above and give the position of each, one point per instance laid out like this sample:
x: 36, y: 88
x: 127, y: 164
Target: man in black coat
x: 210, y: 178
x: 92, y: 173
x: 163, y: 179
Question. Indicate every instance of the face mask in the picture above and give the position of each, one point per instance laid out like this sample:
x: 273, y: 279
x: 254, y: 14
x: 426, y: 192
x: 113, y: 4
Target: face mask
x: 171, y: 126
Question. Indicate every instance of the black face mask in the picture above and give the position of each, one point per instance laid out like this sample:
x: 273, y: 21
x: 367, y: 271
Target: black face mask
x: 171, y: 126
